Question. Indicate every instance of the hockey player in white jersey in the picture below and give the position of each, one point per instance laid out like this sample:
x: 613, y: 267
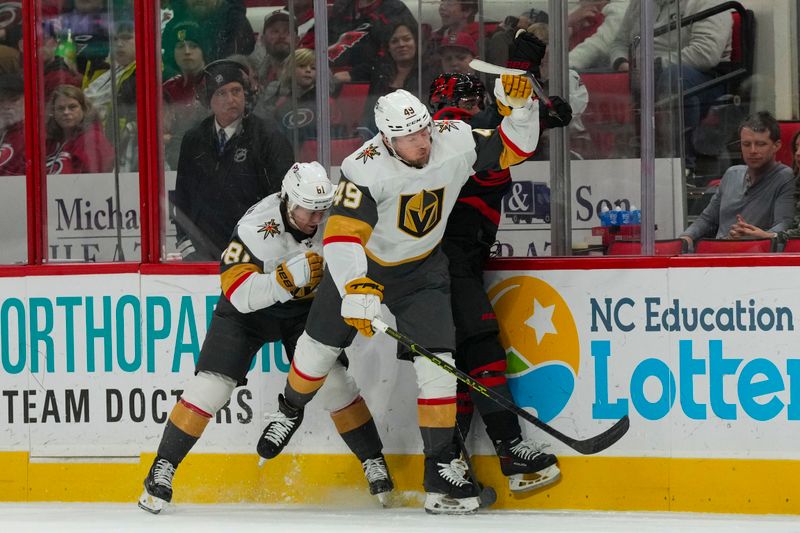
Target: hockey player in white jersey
x: 382, y: 245
x: 269, y: 274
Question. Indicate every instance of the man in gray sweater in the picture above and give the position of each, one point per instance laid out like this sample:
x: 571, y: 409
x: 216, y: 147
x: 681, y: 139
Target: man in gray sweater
x: 758, y: 194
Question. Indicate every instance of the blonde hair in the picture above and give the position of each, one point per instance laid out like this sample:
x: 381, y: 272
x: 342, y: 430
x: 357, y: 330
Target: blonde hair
x: 54, y: 131
x: 302, y: 57
x: 540, y: 30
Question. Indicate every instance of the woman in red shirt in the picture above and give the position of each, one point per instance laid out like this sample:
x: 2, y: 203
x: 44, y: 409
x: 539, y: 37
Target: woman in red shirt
x: 76, y: 143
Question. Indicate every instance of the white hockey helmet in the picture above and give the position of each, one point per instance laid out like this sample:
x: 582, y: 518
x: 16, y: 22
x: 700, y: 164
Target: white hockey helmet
x: 307, y: 185
x: 400, y: 113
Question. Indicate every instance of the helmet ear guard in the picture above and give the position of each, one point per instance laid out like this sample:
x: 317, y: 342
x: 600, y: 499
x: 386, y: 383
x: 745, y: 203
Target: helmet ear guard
x: 307, y: 185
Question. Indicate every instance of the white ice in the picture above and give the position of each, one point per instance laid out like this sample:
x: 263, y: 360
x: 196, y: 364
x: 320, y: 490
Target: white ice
x: 77, y: 517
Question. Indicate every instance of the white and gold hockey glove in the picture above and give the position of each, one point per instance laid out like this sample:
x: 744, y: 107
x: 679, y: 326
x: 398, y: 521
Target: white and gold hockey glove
x: 362, y: 304
x: 512, y: 92
x: 301, y: 271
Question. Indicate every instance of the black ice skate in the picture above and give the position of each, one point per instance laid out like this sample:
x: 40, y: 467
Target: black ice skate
x: 280, y: 428
x: 525, y: 465
x: 448, y: 489
x: 380, y: 482
x: 157, y: 486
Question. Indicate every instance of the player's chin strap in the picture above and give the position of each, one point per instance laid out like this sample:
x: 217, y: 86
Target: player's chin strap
x: 588, y: 446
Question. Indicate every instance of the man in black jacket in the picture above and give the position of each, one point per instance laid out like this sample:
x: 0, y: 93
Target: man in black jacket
x: 227, y: 163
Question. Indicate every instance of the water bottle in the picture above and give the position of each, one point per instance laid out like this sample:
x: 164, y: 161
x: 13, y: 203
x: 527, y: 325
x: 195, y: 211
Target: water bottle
x: 67, y: 51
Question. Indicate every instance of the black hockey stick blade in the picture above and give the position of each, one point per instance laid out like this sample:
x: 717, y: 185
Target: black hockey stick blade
x: 589, y: 446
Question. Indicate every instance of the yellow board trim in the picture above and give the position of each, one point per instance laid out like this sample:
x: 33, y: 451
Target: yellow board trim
x: 604, y: 483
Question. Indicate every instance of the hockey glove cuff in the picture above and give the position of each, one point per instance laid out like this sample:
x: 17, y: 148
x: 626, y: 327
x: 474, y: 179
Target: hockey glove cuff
x: 299, y: 271
x: 557, y: 115
x: 362, y: 304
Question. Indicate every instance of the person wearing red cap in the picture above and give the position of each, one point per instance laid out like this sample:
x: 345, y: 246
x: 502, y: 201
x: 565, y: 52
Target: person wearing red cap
x: 456, y: 51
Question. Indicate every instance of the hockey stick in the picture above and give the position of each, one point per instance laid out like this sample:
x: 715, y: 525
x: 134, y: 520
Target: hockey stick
x: 487, y: 496
x: 588, y: 446
x: 489, y: 68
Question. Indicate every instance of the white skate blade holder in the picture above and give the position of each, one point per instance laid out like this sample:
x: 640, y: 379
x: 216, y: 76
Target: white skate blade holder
x: 534, y: 480
x: 436, y: 503
x: 152, y: 504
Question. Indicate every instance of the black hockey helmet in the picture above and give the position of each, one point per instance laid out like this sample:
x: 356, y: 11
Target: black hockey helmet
x: 449, y: 88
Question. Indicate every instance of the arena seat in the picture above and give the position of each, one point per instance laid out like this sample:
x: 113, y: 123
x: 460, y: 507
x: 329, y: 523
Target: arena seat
x: 662, y: 247
x: 728, y: 246
x: 792, y: 245
x: 349, y: 104
x: 340, y: 148
x: 609, y: 114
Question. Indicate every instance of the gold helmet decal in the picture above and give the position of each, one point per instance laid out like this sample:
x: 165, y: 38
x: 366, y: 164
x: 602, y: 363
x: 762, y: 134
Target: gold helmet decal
x: 421, y: 212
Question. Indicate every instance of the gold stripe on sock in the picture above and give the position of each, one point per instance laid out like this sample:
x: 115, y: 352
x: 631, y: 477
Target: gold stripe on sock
x: 351, y: 417
x: 190, y: 422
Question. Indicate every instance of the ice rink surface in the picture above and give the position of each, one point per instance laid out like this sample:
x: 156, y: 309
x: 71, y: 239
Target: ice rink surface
x: 75, y: 517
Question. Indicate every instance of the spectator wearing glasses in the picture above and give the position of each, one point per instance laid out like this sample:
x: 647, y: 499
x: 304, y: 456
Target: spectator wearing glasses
x: 754, y: 200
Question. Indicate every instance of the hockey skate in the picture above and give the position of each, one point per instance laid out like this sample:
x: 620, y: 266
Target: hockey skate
x: 157, y: 486
x: 447, y: 487
x: 525, y: 465
x: 280, y: 428
x: 380, y: 482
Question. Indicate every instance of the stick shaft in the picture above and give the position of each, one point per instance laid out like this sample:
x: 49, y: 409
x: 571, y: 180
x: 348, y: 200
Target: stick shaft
x: 586, y: 446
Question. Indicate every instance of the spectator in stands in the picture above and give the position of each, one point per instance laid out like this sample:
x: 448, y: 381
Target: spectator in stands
x: 297, y: 115
x: 359, y: 31
x: 578, y: 96
x: 593, y: 27
x: 304, y: 19
x: 704, y: 45
x: 273, y: 46
x: 398, y: 69
x: 87, y: 24
x: 11, y: 38
x: 227, y: 162
x: 456, y: 51
x: 182, y: 109
x: 531, y: 16
x: 114, y: 93
x: 501, y: 40
x: 56, y: 70
x: 223, y: 22
x: 12, y: 125
x: 76, y: 143
x: 755, y: 199
x: 743, y: 230
x: 457, y: 16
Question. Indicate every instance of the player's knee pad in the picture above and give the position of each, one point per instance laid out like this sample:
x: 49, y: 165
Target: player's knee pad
x: 312, y: 358
x: 209, y: 391
x: 480, y: 351
x: 340, y: 389
x: 433, y: 382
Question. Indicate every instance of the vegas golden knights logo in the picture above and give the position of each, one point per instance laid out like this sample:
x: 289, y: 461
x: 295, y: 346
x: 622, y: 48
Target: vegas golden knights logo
x: 421, y: 212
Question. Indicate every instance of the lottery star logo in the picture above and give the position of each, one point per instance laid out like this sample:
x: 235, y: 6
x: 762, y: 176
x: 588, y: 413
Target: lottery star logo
x: 270, y: 228
x: 540, y: 338
x: 369, y: 153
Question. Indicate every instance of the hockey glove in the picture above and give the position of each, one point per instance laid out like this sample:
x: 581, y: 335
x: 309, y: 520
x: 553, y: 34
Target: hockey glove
x: 526, y: 53
x: 511, y: 92
x: 361, y: 304
x: 557, y: 115
x: 299, y: 271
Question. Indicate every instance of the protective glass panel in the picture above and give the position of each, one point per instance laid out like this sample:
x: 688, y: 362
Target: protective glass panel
x: 13, y: 216
x: 89, y: 60
x: 226, y: 70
